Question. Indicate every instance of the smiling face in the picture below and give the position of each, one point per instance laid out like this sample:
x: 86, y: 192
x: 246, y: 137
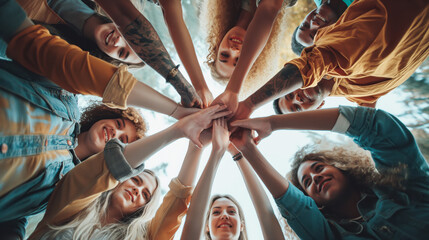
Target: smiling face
x: 111, y: 42
x: 229, y: 51
x: 104, y: 130
x: 224, y: 220
x: 301, y: 100
x: 324, y: 183
x: 131, y: 195
x: 316, y: 19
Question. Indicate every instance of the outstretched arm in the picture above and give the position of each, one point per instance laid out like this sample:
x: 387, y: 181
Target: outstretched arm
x: 255, y: 39
x: 173, y: 16
x: 269, y: 224
x: 285, y: 81
x: 144, y: 40
x: 190, y: 126
x: 78, y: 72
x: 199, y: 203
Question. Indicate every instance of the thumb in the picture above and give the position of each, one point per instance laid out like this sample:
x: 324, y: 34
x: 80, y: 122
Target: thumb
x: 241, y: 123
x: 196, y: 140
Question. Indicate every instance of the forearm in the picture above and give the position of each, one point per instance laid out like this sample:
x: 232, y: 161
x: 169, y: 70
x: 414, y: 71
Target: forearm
x: 194, y: 224
x: 189, y: 168
x: 274, y: 181
x: 182, y: 40
x: 285, y: 81
x: 66, y: 65
x: 270, y: 226
x: 324, y: 119
x: 254, y: 42
x: 139, y: 151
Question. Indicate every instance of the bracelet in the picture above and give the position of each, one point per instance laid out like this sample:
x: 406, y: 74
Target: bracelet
x: 173, y: 72
x: 175, y: 110
x: 237, y: 156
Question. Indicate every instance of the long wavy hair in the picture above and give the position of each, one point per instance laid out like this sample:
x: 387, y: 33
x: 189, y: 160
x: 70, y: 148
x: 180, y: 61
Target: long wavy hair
x: 87, y: 223
x: 98, y: 111
x: 217, y: 17
x: 243, y: 233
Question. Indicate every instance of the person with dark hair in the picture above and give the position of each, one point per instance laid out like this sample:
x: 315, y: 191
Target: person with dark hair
x: 78, y: 24
x: 342, y: 193
x: 365, y: 55
x: 295, y: 45
x: 326, y: 13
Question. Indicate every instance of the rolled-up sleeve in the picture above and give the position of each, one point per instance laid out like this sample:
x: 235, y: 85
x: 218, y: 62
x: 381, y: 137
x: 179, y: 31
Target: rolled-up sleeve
x: 116, y: 162
x: 70, y: 67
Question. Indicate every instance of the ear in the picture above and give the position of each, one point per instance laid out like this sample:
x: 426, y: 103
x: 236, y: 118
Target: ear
x: 241, y: 226
x: 207, y: 229
x: 321, y: 105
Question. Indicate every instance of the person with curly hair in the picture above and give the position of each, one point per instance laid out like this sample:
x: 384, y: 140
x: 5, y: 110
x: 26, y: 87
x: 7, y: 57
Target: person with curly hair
x: 243, y: 37
x: 224, y: 218
x: 341, y: 193
x: 366, y: 54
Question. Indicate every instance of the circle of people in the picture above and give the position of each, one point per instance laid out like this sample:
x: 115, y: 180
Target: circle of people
x: 52, y: 50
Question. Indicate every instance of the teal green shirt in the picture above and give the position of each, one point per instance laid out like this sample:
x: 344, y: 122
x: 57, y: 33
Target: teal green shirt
x: 319, y: 2
x: 387, y: 213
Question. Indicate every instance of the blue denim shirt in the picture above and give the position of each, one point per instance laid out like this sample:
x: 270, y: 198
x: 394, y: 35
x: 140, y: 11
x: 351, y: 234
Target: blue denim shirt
x: 387, y: 213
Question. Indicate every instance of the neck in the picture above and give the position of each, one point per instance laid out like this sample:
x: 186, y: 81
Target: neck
x: 346, y: 207
x: 338, y: 6
x: 326, y: 87
x: 244, y: 19
x: 81, y: 151
x: 110, y: 218
x: 89, y: 27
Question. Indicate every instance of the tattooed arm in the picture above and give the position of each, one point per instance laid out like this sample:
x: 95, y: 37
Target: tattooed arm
x: 286, y: 81
x: 144, y: 40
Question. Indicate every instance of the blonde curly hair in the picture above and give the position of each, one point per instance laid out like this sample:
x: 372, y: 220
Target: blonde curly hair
x: 357, y: 165
x: 217, y: 17
x: 98, y: 111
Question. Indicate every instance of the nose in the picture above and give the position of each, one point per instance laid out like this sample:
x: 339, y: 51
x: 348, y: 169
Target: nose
x: 317, y: 178
x: 119, y: 41
x: 224, y: 215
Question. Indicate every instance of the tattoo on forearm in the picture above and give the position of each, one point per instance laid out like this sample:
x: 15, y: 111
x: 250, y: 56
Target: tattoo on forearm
x: 146, y: 43
x: 285, y: 81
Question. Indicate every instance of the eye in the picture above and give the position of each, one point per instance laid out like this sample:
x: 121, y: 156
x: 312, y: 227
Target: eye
x: 306, y: 182
x: 297, y: 108
x: 319, y: 168
x: 224, y: 54
x: 216, y: 212
x: 232, y: 212
x: 135, y: 180
x: 121, y: 52
x: 118, y: 123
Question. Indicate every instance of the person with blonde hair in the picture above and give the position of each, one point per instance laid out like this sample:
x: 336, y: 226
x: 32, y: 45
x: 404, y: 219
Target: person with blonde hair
x: 93, y: 214
x: 341, y: 193
x: 224, y: 216
x: 243, y: 37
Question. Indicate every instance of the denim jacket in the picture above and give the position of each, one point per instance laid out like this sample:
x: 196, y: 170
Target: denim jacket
x: 387, y: 213
x: 38, y: 131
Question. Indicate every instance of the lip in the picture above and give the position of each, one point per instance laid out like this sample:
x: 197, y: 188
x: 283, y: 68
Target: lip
x: 237, y: 40
x: 106, y: 134
x: 225, y: 225
x: 321, y: 18
x: 108, y: 37
x: 131, y: 195
x: 322, y: 185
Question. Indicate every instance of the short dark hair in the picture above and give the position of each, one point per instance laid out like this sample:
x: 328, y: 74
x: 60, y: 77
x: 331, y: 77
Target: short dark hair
x: 296, y: 46
x: 276, y: 106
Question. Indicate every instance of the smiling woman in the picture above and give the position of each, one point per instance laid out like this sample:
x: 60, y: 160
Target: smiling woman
x: 225, y: 219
